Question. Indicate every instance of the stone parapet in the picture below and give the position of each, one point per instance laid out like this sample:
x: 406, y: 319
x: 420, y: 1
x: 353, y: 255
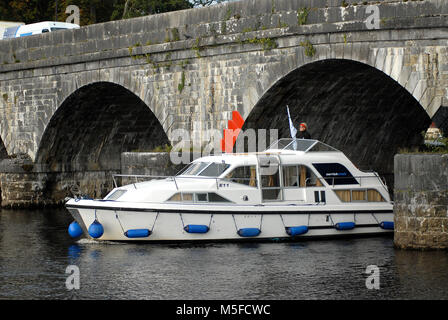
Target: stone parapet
x: 216, y: 25
x: 421, y: 201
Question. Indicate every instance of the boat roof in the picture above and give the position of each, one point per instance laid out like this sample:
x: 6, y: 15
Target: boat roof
x: 305, y: 148
x: 305, y: 145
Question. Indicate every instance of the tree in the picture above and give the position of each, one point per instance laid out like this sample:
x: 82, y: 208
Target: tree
x: 92, y: 11
x: 136, y: 8
x: 27, y: 11
x: 206, y: 3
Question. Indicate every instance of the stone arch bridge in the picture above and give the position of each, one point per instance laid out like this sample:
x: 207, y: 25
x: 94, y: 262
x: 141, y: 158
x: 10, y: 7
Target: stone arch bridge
x: 72, y: 101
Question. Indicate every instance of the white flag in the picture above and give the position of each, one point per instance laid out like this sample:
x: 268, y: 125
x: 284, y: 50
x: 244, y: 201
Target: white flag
x: 291, y: 126
x: 292, y: 130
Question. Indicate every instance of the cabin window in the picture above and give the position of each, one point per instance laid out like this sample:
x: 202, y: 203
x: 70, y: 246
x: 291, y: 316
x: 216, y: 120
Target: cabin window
x: 194, y: 168
x: 243, y: 175
x: 201, y: 197
x: 299, y: 176
x: 335, y: 173
x: 343, y: 195
x: 214, y: 169
x: 359, y: 195
x: 197, y: 197
x: 270, y: 185
x: 370, y: 195
x: 374, y: 196
x: 176, y: 197
x: 117, y: 194
x: 205, y: 169
x: 187, y: 197
x: 214, y: 197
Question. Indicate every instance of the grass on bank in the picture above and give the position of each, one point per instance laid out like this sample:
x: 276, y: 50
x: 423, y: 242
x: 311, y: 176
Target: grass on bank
x: 432, y: 145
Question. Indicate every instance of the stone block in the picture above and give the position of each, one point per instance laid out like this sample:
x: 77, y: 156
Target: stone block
x: 421, y: 201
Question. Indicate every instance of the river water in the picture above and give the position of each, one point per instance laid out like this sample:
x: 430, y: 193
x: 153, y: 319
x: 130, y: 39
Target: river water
x: 35, y: 251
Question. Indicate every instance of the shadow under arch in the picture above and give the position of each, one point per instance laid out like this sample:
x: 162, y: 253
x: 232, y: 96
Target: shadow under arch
x: 3, y: 151
x: 93, y: 126
x: 349, y: 105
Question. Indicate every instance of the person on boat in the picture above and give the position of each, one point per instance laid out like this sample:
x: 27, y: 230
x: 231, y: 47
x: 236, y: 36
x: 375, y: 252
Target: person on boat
x: 303, y: 132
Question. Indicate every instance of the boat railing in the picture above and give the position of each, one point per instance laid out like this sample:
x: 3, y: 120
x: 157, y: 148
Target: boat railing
x: 361, y: 180
x: 173, y: 178
x: 332, y: 181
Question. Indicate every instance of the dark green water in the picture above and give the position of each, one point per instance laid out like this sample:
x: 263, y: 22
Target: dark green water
x: 35, y: 250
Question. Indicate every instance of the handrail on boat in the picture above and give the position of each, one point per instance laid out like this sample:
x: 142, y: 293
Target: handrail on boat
x: 174, y: 178
x: 164, y: 177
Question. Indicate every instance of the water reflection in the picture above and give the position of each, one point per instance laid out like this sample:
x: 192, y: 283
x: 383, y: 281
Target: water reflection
x: 35, y: 251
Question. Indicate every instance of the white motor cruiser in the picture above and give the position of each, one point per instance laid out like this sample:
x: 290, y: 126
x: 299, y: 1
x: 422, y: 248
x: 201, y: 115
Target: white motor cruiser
x: 295, y: 189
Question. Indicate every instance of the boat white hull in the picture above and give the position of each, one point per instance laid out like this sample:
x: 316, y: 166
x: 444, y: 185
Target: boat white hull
x: 170, y: 225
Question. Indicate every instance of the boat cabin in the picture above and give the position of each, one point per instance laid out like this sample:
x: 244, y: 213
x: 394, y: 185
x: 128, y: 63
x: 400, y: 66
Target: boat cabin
x: 290, y: 171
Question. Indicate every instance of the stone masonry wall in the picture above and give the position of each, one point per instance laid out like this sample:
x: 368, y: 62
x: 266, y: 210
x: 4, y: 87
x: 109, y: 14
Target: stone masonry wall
x: 149, y: 163
x: 21, y: 187
x: 421, y: 201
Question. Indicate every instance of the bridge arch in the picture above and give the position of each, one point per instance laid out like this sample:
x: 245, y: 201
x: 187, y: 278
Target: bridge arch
x: 348, y: 104
x: 93, y: 126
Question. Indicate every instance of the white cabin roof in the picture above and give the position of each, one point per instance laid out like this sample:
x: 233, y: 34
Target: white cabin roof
x: 303, y: 151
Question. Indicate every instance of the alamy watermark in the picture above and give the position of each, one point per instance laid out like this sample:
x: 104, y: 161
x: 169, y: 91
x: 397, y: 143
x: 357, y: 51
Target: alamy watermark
x: 373, y: 20
x: 249, y: 140
x: 73, y: 12
x: 373, y: 280
x: 73, y: 280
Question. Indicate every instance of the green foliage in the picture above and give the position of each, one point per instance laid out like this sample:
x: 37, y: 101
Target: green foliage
x: 223, y: 27
x: 228, y: 14
x: 31, y: 11
x: 126, y: 9
x: 438, y: 144
x: 183, y: 64
x: 91, y: 11
x: 266, y: 43
x: 175, y: 34
x: 310, y: 51
x: 205, y: 3
x: 197, y: 47
x: 27, y: 11
x: 162, y: 148
x: 302, y: 15
x: 181, y: 85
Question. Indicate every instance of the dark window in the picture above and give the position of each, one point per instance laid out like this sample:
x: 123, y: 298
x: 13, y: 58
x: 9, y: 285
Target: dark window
x: 56, y: 29
x: 201, y: 197
x: 213, y: 197
x: 335, y: 173
x: 214, y: 169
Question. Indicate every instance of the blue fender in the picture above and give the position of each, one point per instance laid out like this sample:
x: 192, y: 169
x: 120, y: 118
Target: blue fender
x: 74, y: 229
x: 96, y: 229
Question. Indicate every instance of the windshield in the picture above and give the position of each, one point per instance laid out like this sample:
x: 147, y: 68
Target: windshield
x: 214, y: 169
x: 306, y: 145
x: 292, y: 144
x: 205, y: 169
